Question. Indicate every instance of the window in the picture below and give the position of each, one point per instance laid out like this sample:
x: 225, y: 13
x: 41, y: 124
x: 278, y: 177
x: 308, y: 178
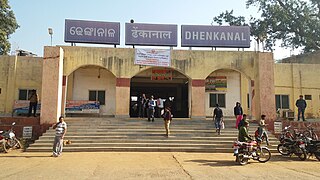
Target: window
x: 24, y: 94
x: 282, y: 101
x: 95, y: 95
x: 308, y: 97
x: 217, y: 99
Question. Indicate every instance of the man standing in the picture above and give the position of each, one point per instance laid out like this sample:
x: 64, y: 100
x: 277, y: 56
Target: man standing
x: 33, y: 98
x: 61, y: 130
x: 301, y: 105
x: 142, y: 103
x: 151, y: 108
x: 217, y: 117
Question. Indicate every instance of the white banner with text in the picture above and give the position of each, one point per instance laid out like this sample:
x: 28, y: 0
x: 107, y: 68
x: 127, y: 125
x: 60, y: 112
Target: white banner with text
x: 152, y: 57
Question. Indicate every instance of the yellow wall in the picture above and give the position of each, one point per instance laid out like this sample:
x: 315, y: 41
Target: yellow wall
x: 18, y: 72
x: 196, y: 65
x: 296, y: 79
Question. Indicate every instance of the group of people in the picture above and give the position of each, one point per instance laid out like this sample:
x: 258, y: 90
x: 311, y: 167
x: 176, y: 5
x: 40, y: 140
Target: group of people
x: 242, y: 124
x: 152, y: 107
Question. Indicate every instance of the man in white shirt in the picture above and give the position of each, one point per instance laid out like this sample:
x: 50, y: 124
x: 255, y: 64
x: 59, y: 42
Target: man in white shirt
x: 61, y: 130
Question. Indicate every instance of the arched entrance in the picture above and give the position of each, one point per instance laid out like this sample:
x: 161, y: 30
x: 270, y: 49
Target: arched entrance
x: 164, y: 83
x: 226, y: 87
x: 92, y: 83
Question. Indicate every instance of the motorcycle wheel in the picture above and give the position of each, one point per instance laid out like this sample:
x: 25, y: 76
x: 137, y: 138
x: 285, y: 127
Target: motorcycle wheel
x: 317, y: 153
x: 18, y: 144
x: 283, y: 150
x: 264, y: 154
x: 6, y: 147
x: 302, y: 155
x: 242, y: 160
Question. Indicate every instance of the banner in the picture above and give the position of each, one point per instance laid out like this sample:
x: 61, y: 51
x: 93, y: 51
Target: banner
x: 161, y: 74
x: 152, y: 57
x: 21, y: 107
x: 82, y: 107
x: 151, y: 34
x: 216, y: 83
x: 92, y: 32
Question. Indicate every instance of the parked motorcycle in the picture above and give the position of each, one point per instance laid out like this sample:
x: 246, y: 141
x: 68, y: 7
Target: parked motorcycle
x: 252, y: 150
x: 312, y: 147
x: 288, y: 147
x: 9, y: 140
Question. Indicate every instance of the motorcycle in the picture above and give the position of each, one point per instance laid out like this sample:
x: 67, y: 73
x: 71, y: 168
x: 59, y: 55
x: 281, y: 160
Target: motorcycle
x: 289, y: 146
x: 9, y: 140
x: 252, y: 150
x: 312, y: 147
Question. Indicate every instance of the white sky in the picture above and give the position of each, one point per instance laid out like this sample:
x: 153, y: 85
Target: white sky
x: 35, y: 16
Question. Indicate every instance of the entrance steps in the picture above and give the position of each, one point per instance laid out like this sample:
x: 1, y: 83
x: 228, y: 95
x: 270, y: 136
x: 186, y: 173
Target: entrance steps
x: 139, y: 135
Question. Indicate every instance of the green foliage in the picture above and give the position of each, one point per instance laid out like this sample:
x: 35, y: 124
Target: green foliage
x: 296, y: 23
x: 8, y: 25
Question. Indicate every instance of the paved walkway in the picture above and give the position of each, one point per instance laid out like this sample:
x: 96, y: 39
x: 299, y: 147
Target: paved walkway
x: 126, y: 165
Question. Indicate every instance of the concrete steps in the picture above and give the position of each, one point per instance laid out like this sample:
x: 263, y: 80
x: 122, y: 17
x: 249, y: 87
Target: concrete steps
x: 113, y: 134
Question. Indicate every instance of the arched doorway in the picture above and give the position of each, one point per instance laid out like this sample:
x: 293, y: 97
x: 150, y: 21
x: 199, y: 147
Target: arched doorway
x: 164, y: 83
x: 226, y: 87
x: 92, y: 83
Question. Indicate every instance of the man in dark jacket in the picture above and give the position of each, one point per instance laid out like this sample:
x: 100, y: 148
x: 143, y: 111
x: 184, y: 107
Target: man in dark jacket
x: 301, y: 105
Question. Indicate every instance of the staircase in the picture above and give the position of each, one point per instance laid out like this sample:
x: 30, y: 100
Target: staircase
x: 139, y: 135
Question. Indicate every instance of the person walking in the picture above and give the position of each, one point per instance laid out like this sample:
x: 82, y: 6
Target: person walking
x: 218, y: 118
x: 61, y: 130
x: 238, y: 112
x: 301, y: 105
x: 167, y: 117
x: 33, y: 98
x: 262, y: 129
x: 151, y: 108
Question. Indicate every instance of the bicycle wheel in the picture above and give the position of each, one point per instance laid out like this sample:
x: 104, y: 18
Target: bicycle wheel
x: 307, y: 134
x: 264, y: 154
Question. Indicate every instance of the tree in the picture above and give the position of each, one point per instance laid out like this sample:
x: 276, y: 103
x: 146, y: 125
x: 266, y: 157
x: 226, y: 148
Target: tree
x: 8, y: 25
x: 296, y: 23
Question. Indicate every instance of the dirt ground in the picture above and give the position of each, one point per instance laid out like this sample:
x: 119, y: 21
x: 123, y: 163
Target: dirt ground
x: 151, y: 165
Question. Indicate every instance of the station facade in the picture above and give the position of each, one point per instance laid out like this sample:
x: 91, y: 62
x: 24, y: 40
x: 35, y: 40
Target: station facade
x: 71, y: 73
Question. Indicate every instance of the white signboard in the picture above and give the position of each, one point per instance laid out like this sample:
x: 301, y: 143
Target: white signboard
x: 27, y: 132
x: 277, y: 127
x: 152, y: 57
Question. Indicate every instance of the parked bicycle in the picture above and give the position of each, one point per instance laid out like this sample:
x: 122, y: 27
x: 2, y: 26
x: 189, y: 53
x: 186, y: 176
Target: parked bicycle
x: 310, y: 133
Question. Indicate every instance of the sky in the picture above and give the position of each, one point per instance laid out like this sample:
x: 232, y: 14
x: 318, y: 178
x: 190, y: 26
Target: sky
x: 36, y: 16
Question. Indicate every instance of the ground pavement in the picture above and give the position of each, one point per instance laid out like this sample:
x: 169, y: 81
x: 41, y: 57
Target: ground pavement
x: 150, y: 165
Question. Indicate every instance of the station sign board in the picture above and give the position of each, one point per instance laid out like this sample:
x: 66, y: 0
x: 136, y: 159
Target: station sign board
x: 215, y: 36
x: 97, y: 32
x: 151, y: 34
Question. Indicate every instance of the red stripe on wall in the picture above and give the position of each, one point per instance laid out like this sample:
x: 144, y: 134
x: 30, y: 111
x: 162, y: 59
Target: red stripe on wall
x: 198, y: 83
x: 64, y: 80
x: 123, y: 82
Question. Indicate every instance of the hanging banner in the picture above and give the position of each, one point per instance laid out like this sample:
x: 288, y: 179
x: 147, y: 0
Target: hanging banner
x: 152, y: 57
x: 21, y: 107
x: 151, y: 34
x: 92, y: 32
x: 216, y: 83
x: 82, y: 107
x: 161, y: 74
x: 215, y: 36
